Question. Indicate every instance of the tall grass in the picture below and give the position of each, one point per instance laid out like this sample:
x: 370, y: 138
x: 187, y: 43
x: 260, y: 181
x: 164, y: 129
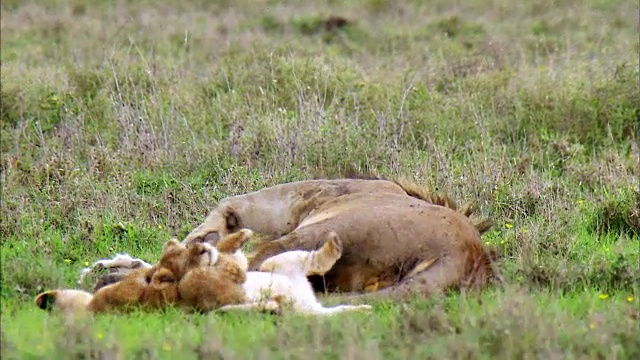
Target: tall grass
x: 124, y: 122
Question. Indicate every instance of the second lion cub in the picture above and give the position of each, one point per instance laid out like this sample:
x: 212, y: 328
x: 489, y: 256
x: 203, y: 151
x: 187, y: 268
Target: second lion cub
x: 282, y: 278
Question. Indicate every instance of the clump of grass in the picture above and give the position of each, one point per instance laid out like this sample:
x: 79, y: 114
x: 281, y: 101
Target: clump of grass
x: 615, y: 212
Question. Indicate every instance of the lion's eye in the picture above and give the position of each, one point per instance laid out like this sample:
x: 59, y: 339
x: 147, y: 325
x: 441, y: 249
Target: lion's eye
x: 203, y: 251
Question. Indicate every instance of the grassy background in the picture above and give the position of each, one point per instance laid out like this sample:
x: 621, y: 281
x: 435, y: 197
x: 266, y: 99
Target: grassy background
x: 124, y: 122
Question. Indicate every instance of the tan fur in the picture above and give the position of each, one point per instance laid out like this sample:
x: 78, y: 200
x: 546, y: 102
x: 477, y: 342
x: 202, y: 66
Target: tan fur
x: 419, y: 192
x: 393, y: 245
x: 157, y: 287
x: 210, y: 286
x: 284, y: 276
x: 278, y: 210
x: 68, y: 302
x: 280, y: 282
x: 388, y: 227
x: 396, y: 240
x: 142, y: 288
x: 179, y: 258
x: 147, y: 289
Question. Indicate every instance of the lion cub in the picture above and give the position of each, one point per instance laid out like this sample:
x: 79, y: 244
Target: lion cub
x: 209, y: 277
x: 285, y: 276
x: 221, y: 282
x: 145, y: 288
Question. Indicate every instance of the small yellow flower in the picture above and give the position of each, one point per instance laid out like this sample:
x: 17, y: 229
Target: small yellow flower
x: 592, y: 326
x: 629, y: 298
x: 86, y: 263
x: 160, y: 226
x: 502, y: 242
x: 166, y: 347
x: 603, y: 296
x: 68, y: 261
x: 508, y: 226
x: 99, y: 335
x: 487, y: 242
x: 579, y: 202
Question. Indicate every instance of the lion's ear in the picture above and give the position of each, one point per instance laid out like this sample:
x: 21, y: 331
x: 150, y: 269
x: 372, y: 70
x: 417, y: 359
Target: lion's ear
x: 233, y: 221
x: 212, y: 237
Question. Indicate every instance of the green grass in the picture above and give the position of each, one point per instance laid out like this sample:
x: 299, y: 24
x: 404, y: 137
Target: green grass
x: 123, y: 123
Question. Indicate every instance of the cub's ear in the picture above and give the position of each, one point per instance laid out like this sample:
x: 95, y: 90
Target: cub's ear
x: 170, y: 244
x: 162, y: 279
x: 196, y: 248
x: 46, y: 300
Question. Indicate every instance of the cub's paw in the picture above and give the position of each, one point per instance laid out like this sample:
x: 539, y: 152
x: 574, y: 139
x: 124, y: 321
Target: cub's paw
x: 333, y: 245
x: 234, y: 242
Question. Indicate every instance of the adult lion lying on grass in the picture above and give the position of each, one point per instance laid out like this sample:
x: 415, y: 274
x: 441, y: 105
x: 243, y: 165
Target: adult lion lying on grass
x: 397, y: 238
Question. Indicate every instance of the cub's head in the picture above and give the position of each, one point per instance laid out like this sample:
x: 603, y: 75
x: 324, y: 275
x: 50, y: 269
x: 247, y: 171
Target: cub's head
x: 161, y: 289
x: 217, y: 274
x: 205, y: 254
x: 177, y: 258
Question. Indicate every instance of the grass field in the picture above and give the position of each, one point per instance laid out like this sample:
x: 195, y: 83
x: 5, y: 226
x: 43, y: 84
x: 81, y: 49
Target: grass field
x: 124, y: 122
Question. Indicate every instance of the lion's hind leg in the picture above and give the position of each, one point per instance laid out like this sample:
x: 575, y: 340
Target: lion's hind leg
x: 430, y: 277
